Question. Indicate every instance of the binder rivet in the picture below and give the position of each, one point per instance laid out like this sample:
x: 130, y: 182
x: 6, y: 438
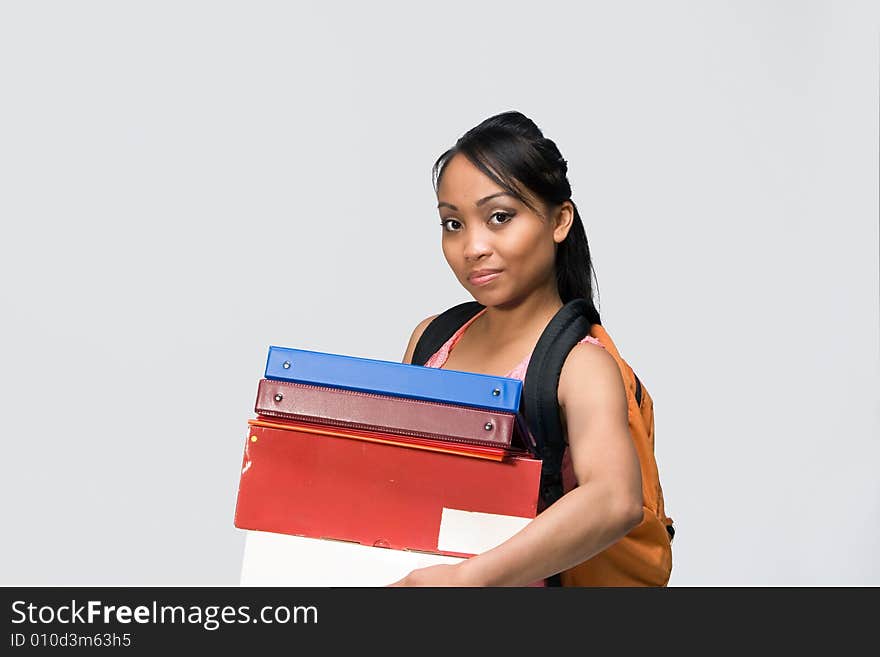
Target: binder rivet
x: 253, y: 439
x: 286, y: 364
x: 488, y: 426
x: 279, y: 397
x: 496, y: 392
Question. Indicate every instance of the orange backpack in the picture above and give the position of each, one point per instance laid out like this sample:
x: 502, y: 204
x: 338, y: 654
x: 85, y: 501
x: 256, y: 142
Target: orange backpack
x: 644, y: 556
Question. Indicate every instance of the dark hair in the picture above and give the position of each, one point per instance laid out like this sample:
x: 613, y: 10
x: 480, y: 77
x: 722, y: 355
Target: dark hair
x: 512, y: 151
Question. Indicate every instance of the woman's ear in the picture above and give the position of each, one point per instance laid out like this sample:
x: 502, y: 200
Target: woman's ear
x: 562, y: 220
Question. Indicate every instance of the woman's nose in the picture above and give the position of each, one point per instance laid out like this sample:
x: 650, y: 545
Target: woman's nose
x: 477, y: 245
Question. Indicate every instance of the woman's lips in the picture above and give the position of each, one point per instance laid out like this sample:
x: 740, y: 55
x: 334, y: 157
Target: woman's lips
x: 482, y: 279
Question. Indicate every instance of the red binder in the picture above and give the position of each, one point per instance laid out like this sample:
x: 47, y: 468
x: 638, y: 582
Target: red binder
x: 323, y: 482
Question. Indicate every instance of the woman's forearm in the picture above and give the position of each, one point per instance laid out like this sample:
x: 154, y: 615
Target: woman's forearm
x: 580, y: 524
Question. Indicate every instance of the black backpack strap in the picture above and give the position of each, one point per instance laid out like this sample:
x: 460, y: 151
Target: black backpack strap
x: 441, y: 328
x: 540, y: 401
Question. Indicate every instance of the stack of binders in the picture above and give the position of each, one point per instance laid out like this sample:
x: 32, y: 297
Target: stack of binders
x: 356, y: 471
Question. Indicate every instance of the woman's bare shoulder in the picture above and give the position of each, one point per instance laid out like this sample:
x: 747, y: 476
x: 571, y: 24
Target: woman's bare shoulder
x: 414, y: 338
x: 590, y: 375
x: 593, y: 405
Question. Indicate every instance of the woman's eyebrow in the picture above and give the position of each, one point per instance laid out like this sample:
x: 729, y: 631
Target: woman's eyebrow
x: 478, y: 203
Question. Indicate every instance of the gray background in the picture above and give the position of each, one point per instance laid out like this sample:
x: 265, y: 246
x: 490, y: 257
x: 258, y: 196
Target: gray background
x: 185, y: 183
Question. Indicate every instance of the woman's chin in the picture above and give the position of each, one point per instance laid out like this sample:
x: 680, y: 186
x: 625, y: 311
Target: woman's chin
x: 488, y: 297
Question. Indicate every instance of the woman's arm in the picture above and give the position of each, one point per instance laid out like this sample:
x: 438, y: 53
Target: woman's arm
x: 604, y: 507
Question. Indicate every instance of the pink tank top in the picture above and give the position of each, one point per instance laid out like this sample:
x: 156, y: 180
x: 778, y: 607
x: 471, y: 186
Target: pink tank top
x: 438, y: 359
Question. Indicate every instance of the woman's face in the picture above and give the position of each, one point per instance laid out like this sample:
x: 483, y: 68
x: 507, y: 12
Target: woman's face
x: 499, y: 249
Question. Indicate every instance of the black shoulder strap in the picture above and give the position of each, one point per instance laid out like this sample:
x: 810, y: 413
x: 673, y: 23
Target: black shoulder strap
x: 441, y: 328
x: 540, y: 403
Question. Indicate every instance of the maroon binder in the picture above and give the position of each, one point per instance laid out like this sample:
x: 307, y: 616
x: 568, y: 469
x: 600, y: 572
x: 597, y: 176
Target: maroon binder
x: 391, y: 414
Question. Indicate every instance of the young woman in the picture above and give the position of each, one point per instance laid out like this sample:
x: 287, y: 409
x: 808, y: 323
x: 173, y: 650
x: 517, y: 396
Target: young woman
x: 515, y: 241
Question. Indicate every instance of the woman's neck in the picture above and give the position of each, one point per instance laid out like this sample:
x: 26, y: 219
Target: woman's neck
x: 523, y: 320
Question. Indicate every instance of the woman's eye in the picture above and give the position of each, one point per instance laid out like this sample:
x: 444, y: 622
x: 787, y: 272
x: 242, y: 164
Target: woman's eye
x: 506, y: 216
x: 450, y: 224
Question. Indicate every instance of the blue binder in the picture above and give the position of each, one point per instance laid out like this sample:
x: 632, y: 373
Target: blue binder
x: 391, y: 378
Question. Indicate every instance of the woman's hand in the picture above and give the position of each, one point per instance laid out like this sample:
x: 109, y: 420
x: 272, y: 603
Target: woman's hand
x: 439, y: 575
